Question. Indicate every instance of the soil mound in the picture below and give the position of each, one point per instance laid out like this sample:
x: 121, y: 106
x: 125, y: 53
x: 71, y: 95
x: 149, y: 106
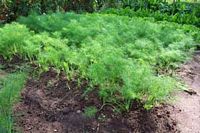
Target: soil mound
x: 53, y: 104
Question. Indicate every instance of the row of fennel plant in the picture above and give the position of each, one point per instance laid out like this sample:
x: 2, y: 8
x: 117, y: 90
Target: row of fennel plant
x: 118, y: 54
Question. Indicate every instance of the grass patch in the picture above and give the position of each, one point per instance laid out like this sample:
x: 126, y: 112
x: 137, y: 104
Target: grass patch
x: 9, y: 95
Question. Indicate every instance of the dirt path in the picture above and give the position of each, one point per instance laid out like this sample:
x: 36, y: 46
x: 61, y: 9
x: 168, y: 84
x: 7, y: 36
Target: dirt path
x: 187, y: 107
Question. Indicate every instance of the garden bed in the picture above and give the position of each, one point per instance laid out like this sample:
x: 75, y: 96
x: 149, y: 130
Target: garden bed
x: 94, y: 72
x: 54, y: 104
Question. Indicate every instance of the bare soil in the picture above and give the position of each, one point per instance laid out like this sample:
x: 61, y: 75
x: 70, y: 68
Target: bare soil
x: 54, y: 104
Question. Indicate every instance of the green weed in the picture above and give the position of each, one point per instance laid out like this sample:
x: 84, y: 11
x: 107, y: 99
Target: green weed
x: 90, y: 111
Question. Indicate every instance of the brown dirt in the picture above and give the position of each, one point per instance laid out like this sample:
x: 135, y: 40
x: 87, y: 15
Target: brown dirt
x: 11, y: 66
x: 187, y: 107
x: 52, y: 104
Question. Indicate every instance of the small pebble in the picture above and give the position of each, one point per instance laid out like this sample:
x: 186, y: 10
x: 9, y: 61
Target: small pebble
x: 78, y: 111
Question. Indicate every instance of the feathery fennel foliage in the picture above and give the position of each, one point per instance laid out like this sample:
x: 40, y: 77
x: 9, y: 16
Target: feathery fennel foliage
x: 120, y: 55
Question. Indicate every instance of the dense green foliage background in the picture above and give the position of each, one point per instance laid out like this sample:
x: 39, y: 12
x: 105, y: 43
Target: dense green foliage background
x: 159, y: 15
x: 176, y: 11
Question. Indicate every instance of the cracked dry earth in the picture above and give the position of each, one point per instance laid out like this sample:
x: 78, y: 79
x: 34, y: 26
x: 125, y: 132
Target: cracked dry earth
x: 187, y: 107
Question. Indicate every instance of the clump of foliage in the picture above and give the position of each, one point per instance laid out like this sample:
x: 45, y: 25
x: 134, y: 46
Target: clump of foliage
x: 9, y: 95
x: 90, y: 111
x: 183, y: 12
x: 11, y: 40
x: 120, y: 56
